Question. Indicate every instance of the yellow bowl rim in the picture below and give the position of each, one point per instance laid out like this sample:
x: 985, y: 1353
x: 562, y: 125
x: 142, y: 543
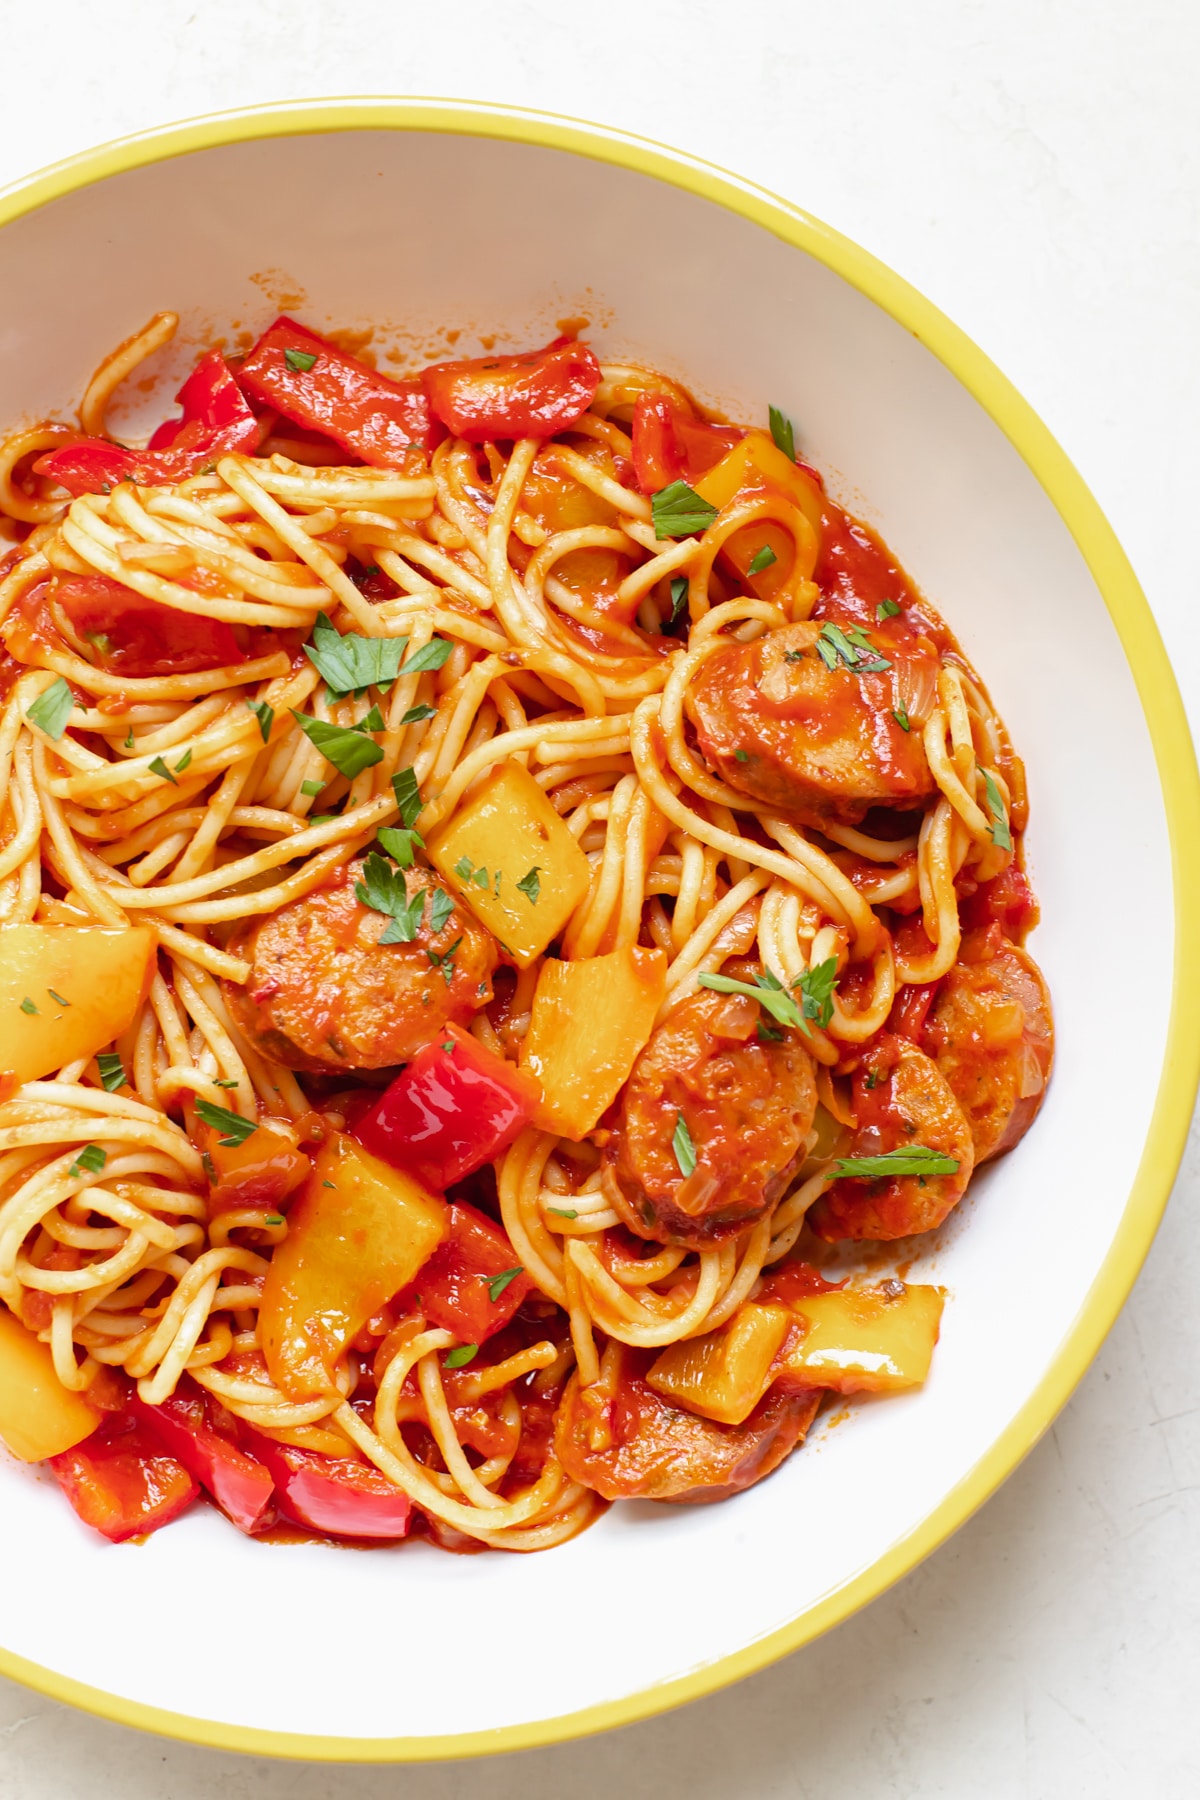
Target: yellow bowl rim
x: 1180, y: 780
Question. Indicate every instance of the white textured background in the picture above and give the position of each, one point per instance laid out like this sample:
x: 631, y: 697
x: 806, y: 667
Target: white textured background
x: 1035, y: 169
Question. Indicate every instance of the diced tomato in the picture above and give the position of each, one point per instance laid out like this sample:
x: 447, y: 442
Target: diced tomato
x: 313, y: 383
x: 535, y: 395
x: 1007, y: 900
x: 794, y: 1281
x: 92, y: 466
x: 455, y: 1286
x: 260, y: 1171
x: 136, y: 636
x: 910, y: 1009
x: 671, y: 444
x: 123, y: 1481
x: 333, y: 1493
x: 188, y: 1424
x: 454, y: 1108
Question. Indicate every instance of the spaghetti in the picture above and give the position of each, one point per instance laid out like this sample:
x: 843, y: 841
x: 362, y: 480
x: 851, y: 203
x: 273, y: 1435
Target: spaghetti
x: 496, y: 872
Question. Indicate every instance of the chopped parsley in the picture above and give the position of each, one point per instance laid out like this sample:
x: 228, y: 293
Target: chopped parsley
x: 430, y: 656
x: 911, y: 1159
x: 793, y: 656
x: 765, y: 557
x: 159, y: 767
x: 57, y: 997
x: 183, y: 762
x: 404, y: 786
x: 90, y: 1161
x: 348, y: 747
x: 682, y: 1145
x: 531, y: 885
x: 816, y: 987
x: 52, y: 708
x: 384, y: 890
x: 742, y: 755
x: 235, y: 1127
x: 300, y: 361
x: 498, y: 1283
x: 112, y: 1071
x: 273, y: 1219
x: 352, y: 663
x: 1001, y: 835
x: 783, y: 432
x: 900, y: 714
x: 771, y: 995
x: 444, y: 959
x: 678, y: 511
x: 679, y: 589
x: 27, y: 1006
x: 563, y: 1212
x: 400, y: 843
x: 460, y: 1356
x: 852, y: 647
x: 263, y: 713
x: 887, y: 609
x: 415, y: 714
x: 310, y: 789
x: 441, y: 910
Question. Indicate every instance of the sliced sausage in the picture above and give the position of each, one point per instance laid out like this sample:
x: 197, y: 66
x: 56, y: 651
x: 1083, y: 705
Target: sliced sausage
x: 900, y: 1100
x: 325, y: 994
x: 626, y: 1442
x: 747, y: 1102
x: 776, y: 723
x: 991, y: 1033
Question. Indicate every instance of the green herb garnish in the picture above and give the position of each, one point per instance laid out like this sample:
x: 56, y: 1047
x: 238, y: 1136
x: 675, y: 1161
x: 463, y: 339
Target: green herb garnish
x: 404, y: 786
x: 159, y: 767
x: 57, y: 997
x: 679, y: 590
x: 352, y: 663
x: 900, y: 714
x: 348, y: 747
x: 52, y: 708
x: 384, y: 890
x: 531, y: 885
x: 682, y: 1145
x: 460, y: 1356
x: 264, y: 714
x: 300, y: 361
x: 852, y: 647
x: 112, y: 1071
x: 563, y: 1212
x: 27, y: 1006
x: 912, y: 1159
x: 766, y: 556
x: 783, y: 432
x: 816, y: 987
x: 887, y: 609
x: 236, y: 1128
x: 441, y: 910
x: 678, y: 511
x: 310, y: 789
x: 770, y: 994
x: 183, y: 762
x: 415, y: 714
x: 444, y: 959
x: 1001, y: 835
x: 90, y: 1161
x: 430, y: 656
x: 400, y: 843
x: 498, y: 1283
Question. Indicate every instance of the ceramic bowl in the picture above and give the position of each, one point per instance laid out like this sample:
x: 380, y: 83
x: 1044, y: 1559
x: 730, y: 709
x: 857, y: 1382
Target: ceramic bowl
x: 419, y: 220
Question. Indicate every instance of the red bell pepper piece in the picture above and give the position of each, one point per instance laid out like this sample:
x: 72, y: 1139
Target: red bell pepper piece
x: 214, y: 410
x: 333, y: 1493
x: 910, y: 1009
x: 457, y: 1283
x: 314, y: 384
x: 671, y: 444
x: 123, y: 1481
x: 260, y: 1171
x: 534, y: 395
x: 1007, y: 900
x: 239, y: 1483
x: 215, y: 419
x: 454, y: 1108
x: 792, y: 1282
x: 136, y: 636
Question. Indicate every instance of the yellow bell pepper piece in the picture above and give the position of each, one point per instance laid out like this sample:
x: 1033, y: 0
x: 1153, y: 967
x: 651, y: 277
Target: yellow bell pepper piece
x: 724, y: 1374
x: 39, y: 1417
x: 508, y: 856
x: 867, y: 1341
x: 357, y: 1234
x: 589, y: 1020
x: 756, y: 463
x: 66, y: 991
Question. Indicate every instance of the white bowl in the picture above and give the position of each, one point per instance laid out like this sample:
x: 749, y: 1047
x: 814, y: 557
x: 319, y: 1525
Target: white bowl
x: 414, y: 217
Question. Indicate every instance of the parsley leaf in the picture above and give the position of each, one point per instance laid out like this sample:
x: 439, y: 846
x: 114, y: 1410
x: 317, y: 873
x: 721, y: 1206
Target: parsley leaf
x: 51, y: 710
x: 310, y: 789
x: 910, y: 1159
x: 441, y: 909
x: 887, y: 609
x: 404, y: 786
x: 236, y: 1128
x: 766, y: 556
x: 430, y: 656
x: 159, y: 767
x: 27, y: 1006
x: 183, y: 762
x: 531, y: 885
x: 273, y: 1219
x: 771, y: 996
x: 444, y: 959
x: 815, y: 988
x: 678, y: 511
x: 352, y: 663
x: 415, y: 714
x: 742, y: 755
x: 682, y: 1145
x: 783, y: 432
x: 460, y: 1356
x: 400, y: 844
x: 300, y: 361
x: 385, y: 890
x: 112, y: 1071
x: 852, y: 647
x: 57, y: 997
x: 1001, y: 835
x: 900, y: 714
x: 264, y: 714
x: 91, y: 1160
x: 498, y: 1283
x: 563, y: 1212
x: 347, y: 747
x: 679, y: 589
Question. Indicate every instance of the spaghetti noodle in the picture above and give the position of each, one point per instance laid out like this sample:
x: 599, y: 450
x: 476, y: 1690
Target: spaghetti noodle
x: 496, y: 871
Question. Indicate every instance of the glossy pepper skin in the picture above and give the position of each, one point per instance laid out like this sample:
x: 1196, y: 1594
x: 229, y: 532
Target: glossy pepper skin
x: 373, y: 418
x: 454, y: 1108
x: 456, y: 1285
x: 215, y: 419
x: 671, y: 444
x: 537, y: 394
x: 136, y: 636
x: 333, y: 1494
x: 123, y: 1481
x: 239, y: 1483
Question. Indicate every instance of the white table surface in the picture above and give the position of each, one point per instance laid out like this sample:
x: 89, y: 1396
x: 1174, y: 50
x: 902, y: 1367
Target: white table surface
x: 1034, y: 167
